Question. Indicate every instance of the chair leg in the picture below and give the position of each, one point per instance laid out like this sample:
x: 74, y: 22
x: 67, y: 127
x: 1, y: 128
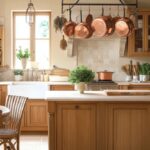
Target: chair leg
x: 18, y: 142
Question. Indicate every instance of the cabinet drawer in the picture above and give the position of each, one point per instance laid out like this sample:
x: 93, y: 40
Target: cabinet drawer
x: 62, y: 87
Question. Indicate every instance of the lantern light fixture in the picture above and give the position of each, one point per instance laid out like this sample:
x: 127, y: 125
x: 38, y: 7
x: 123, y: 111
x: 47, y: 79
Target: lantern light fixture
x: 30, y: 13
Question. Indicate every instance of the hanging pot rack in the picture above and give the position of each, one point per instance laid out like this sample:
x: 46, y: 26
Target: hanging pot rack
x: 78, y: 3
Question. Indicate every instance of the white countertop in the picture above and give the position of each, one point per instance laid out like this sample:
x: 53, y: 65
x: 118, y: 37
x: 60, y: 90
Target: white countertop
x: 64, y: 83
x: 89, y: 96
x: 34, y: 82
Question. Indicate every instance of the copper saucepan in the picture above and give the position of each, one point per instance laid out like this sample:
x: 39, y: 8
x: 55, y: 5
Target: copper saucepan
x: 105, y: 75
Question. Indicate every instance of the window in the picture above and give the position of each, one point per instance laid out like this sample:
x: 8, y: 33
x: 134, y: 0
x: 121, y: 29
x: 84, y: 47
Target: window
x: 36, y: 38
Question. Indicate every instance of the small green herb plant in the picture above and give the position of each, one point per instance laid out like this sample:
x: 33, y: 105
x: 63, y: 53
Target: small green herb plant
x: 18, y: 72
x: 22, y: 53
x: 144, y: 69
x: 81, y: 74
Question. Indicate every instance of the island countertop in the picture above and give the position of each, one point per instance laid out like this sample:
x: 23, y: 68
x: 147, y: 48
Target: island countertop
x: 92, y: 96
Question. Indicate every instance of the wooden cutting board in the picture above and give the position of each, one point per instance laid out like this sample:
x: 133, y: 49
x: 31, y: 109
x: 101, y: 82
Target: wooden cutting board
x: 126, y: 92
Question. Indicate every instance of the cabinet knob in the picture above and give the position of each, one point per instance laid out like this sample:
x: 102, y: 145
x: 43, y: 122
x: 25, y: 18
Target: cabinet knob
x: 77, y: 107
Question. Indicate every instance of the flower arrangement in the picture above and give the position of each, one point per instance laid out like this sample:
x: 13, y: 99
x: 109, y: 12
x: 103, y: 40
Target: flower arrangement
x: 22, y: 53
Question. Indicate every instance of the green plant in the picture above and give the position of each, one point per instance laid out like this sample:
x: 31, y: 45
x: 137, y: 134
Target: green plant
x: 144, y: 69
x: 22, y: 53
x: 81, y: 74
x: 18, y: 72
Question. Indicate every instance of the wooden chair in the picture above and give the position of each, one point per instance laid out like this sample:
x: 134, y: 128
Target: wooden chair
x: 10, y: 134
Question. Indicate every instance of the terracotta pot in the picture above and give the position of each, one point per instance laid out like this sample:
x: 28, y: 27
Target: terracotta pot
x: 105, y: 75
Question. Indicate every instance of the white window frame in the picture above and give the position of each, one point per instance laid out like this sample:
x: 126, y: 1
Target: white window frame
x: 32, y: 35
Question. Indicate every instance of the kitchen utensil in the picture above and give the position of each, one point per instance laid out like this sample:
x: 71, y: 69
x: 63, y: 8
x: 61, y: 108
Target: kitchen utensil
x: 124, y: 26
x: 69, y: 26
x: 63, y: 43
x: 83, y: 29
x: 105, y: 75
x: 103, y: 25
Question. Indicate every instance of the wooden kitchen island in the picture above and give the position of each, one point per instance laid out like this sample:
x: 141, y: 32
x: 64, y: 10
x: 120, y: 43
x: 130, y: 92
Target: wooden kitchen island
x: 92, y: 121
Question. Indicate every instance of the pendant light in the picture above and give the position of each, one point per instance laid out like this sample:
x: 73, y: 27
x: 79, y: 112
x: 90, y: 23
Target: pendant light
x: 30, y: 13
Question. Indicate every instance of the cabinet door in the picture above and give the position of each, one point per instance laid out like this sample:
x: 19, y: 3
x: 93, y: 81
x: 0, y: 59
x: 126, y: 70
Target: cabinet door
x: 129, y: 127
x: 35, y: 117
x: 147, y: 32
x: 76, y: 127
x: 139, y: 41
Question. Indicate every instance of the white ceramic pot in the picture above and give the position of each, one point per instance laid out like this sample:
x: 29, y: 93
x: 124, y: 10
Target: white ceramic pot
x: 18, y: 78
x: 128, y: 78
x: 141, y: 77
x: 135, y: 79
x: 80, y: 87
x: 145, y: 77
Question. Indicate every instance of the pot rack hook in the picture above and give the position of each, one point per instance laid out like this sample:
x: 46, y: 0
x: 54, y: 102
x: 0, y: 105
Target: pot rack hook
x: 63, y: 11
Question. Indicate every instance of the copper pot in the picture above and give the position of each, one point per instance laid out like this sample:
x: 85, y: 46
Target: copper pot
x: 105, y: 75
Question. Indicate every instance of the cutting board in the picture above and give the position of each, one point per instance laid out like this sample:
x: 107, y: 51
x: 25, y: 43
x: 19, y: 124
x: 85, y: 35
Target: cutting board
x: 126, y: 92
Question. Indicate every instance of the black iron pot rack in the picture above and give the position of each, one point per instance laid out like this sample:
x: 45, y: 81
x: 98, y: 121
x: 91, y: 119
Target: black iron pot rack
x: 77, y: 3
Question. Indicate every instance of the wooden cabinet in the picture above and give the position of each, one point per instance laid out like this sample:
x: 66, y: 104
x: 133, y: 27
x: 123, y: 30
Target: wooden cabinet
x: 35, y: 116
x: 3, y: 94
x: 99, y: 125
x: 1, y: 45
x: 62, y: 87
x: 75, y: 127
x: 139, y: 41
x: 129, y: 127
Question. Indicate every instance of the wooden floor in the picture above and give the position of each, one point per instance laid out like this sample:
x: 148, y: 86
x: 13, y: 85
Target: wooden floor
x: 30, y: 141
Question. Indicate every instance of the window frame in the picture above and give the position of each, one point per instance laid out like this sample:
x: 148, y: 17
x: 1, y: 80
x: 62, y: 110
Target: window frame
x: 32, y: 37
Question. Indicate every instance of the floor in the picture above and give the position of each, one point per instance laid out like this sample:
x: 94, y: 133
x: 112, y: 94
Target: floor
x: 33, y: 142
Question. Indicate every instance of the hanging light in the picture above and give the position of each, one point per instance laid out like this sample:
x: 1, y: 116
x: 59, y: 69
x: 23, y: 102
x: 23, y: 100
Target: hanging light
x: 30, y: 13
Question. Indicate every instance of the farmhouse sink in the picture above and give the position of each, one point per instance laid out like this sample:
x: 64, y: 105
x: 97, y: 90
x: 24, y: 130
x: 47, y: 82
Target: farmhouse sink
x: 32, y: 90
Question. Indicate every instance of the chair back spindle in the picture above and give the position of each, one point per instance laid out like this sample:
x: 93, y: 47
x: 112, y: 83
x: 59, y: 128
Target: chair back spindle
x: 16, y: 105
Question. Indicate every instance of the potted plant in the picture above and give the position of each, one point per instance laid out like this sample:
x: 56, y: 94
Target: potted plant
x: 18, y: 74
x: 144, y: 72
x: 80, y: 76
x: 23, y: 55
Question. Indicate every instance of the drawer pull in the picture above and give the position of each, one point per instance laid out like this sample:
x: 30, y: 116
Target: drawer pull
x: 77, y: 107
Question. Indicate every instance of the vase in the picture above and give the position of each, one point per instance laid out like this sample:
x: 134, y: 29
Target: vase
x: 80, y: 87
x: 24, y: 63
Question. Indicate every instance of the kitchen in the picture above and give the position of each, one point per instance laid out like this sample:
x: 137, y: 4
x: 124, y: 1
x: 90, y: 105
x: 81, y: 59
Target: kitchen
x: 98, y: 54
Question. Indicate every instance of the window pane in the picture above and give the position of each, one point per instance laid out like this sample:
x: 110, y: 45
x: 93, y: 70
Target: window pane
x: 23, y: 43
x: 42, y: 27
x: 42, y: 53
x: 22, y: 28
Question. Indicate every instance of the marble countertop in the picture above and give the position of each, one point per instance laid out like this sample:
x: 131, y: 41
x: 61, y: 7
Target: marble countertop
x: 89, y: 96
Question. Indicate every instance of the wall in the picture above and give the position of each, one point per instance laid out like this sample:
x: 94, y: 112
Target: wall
x: 94, y: 53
